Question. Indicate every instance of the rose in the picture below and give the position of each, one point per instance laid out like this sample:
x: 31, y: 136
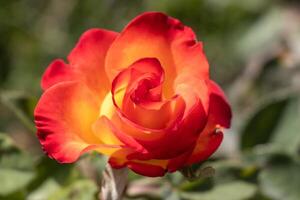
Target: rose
x: 143, y: 97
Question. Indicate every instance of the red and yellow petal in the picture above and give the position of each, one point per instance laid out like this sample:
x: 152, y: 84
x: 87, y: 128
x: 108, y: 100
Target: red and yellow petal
x: 64, y: 117
x: 156, y: 35
x: 88, y: 56
x: 139, y: 125
x: 137, y: 94
x: 86, y: 63
x: 219, y: 117
x: 146, y: 167
x: 58, y: 71
x: 160, y: 94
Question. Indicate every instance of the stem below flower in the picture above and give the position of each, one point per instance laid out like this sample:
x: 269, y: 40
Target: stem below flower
x: 114, y: 182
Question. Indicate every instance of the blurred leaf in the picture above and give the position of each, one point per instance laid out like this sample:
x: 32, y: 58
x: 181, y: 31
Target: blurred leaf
x: 286, y: 136
x: 175, y: 178
x: 201, y: 184
x: 227, y: 171
x: 174, y: 195
x: 253, y: 5
x: 13, y: 180
x: 191, y: 173
x: 45, y: 190
x: 5, y: 142
x: 19, y: 103
x: 16, y: 167
x: 64, y: 174
x: 259, y: 129
x: 236, y: 190
x: 262, y: 34
x: 78, y: 190
x: 12, y: 157
x: 281, y: 181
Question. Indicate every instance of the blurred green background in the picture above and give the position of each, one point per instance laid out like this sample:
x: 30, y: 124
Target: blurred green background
x: 253, y: 47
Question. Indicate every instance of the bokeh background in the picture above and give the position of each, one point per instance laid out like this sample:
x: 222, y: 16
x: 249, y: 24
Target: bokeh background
x: 253, y: 47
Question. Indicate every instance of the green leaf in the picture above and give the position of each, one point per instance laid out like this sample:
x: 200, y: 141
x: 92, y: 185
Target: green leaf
x: 263, y: 34
x: 20, y: 104
x: 79, y: 190
x: 13, y: 180
x: 12, y: 157
x: 286, y: 136
x: 48, y: 187
x: 47, y: 168
x: 281, y: 181
x: 261, y: 126
x: 16, y: 167
x: 236, y: 190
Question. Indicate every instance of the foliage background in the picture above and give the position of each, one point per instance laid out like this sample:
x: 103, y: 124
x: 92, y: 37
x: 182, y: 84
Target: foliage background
x: 253, y: 48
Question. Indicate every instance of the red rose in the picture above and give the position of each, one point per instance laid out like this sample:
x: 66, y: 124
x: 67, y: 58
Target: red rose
x: 143, y: 97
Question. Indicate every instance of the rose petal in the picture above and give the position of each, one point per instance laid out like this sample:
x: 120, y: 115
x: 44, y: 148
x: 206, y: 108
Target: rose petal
x: 207, y: 144
x: 179, y: 161
x: 64, y: 117
x: 156, y: 35
x: 138, y: 89
x: 86, y: 62
x: 89, y: 56
x: 219, y: 117
x: 146, y: 169
x: 150, y: 167
x: 58, y: 72
x: 220, y: 111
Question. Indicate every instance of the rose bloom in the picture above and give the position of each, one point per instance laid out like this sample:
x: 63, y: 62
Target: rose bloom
x: 143, y: 97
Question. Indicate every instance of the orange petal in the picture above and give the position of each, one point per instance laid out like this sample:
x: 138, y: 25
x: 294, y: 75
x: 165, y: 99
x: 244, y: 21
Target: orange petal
x: 89, y: 57
x: 137, y: 93
x: 86, y: 62
x: 64, y: 117
x: 149, y: 167
x: 156, y: 35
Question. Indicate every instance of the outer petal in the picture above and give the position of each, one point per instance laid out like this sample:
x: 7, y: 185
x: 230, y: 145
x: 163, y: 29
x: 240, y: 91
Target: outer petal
x: 89, y: 56
x: 207, y: 144
x: 144, y: 165
x: 156, y: 35
x: 219, y: 117
x: 58, y: 72
x: 220, y: 111
x: 86, y: 62
x: 64, y: 117
x: 146, y: 169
